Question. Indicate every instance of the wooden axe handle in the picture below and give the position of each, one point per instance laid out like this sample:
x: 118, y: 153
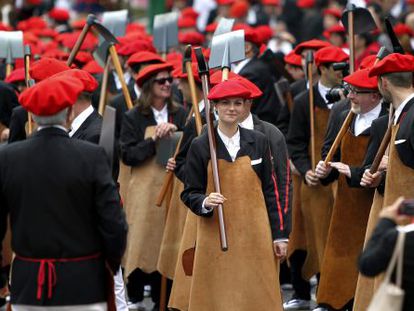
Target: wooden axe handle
x: 339, y: 137
x: 27, y: 81
x: 312, y: 117
x: 289, y: 100
x: 225, y: 74
x: 194, y: 99
x: 78, y: 44
x: 104, y: 88
x: 120, y: 73
x: 381, y: 150
x: 351, y: 37
x: 8, y: 69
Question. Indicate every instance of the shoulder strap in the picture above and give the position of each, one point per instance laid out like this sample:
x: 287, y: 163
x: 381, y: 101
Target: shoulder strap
x: 397, y: 259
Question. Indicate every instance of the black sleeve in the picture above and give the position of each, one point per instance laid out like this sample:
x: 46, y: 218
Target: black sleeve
x: 196, y: 177
x: 134, y: 148
x: 277, y: 217
x: 356, y: 175
x: 17, y: 125
x: 298, y: 135
x: 378, y: 251
x: 283, y: 119
x: 189, y: 134
x: 8, y: 101
x: 111, y: 219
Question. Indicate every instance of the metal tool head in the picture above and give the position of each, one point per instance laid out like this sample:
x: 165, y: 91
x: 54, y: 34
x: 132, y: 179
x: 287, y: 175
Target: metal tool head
x: 93, y: 22
x: 187, y: 56
x: 226, y: 49
x: 203, y: 68
x: 363, y: 20
x: 11, y: 45
x: 225, y: 25
x: 101, y: 53
x: 309, y: 58
x: 165, y: 31
x: 107, y: 137
x: 383, y: 52
x: 115, y: 22
x: 27, y: 50
x: 396, y: 45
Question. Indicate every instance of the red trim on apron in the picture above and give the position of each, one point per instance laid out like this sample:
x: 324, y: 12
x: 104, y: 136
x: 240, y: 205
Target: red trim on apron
x: 51, y: 271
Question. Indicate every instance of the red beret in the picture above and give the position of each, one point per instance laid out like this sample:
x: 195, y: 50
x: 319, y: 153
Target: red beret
x: 180, y: 74
x: 89, y: 83
x: 251, y: 35
x: 78, y: 24
x: 59, y: 15
x: 57, y: 54
x: 83, y: 57
x: 367, y: 62
x: 51, y: 95
x: 334, y: 29
x: 293, y: 59
x: 225, y: 2
x: 46, y: 32
x: 360, y: 79
x: 271, y: 2
x: 403, y: 29
x: 330, y: 54
x: 4, y: 27
x: 133, y: 27
x: 314, y: 44
x: 305, y: 4
x: 265, y: 32
x: 134, y: 47
x: 239, y: 9
x: 16, y: 75
x: 192, y: 37
x: 32, y: 23
x: 93, y: 67
x: 255, y: 92
x: 227, y: 89
x: 186, y: 22
x: 144, y: 57
x: 29, y: 37
x: 211, y: 27
x: 410, y: 2
x: 89, y: 43
x: 393, y: 63
x: 216, y: 77
x: 152, y: 70
x: 46, y: 67
x: 189, y: 12
x: 333, y: 11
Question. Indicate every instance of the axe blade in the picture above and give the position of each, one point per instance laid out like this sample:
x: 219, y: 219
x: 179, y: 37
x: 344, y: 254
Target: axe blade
x: 11, y: 44
x: 165, y: 31
x: 101, y: 53
x: 201, y: 62
x: 115, y: 22
x: 226, y: 49
x: 225, y: 25
x: 104, y: 32
x: 363, y: 20
x: 396, y: 45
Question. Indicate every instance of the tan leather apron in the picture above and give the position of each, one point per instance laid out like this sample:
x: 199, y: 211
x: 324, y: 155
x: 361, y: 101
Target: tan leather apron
x: 173, y: 231
x: 246, y: 276
x: 180, y: 292
x: 145, y: 219
x: 316, y: 206
x: 346, y: 231
x: 398, y: 181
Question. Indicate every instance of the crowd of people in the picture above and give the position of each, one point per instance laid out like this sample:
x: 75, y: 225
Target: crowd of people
x: 307, y: 155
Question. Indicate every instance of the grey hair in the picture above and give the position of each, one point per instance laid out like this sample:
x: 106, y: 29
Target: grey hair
x: 56, y: 119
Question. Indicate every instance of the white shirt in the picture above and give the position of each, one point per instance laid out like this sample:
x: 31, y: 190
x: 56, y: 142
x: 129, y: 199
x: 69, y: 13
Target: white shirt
x: 364, y: 120
x: 137, y: 90
x: 240, y: 65
x: 323, y: 90
x: 247, y: 123
x: 400, y: 108
x: 77, y: 122
x: 127, y: 77
x: 160, y: 116
x: 232, y: 143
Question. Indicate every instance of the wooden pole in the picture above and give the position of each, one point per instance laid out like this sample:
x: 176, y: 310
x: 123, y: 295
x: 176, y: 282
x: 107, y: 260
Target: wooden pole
x: 194, y: 99
x: 104, y: 88
x: 351, y: 38
x: 78, y: 44
x: 312, y: 113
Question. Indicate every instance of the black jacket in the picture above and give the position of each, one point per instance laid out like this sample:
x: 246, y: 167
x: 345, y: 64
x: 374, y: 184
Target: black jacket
x: 377, y: 255
x: 267, y: 106
x: 62, y: 203
x: 134, y: 148
x: 405, y: 134
x: 336, y: 119
x: 8, y: 100
x: 90, y: 129
x: 18, y: 124
x: 298, y: 138
x: 252, y: 144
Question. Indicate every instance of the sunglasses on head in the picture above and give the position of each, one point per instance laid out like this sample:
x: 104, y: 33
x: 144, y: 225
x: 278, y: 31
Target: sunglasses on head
x: 164, y: 80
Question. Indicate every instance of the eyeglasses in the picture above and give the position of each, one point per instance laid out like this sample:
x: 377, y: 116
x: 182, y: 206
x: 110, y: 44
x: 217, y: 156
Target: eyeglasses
x: 354, y: 91
x: 162, y: 81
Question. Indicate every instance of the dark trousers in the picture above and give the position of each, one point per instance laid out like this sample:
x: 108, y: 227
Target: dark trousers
x: 138, y: 279
x: 300, y: 285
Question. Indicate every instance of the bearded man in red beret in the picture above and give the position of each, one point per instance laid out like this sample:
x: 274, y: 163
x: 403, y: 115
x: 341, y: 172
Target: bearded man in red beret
x: 66, y: 222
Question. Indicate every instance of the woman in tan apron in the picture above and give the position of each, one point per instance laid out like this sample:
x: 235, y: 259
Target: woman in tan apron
x: 245, y: 277
x: 154, y: 117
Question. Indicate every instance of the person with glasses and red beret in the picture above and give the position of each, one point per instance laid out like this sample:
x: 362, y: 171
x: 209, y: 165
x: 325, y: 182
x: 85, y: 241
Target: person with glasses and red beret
x: 154, y: 117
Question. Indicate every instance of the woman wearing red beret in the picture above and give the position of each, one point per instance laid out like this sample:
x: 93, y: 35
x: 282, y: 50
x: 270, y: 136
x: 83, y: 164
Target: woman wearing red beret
x: 245, y: 277
x: 154, y: 117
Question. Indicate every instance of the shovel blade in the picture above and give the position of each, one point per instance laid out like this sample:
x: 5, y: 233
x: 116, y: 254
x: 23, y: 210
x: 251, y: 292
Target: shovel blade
x: 225, y: 25
x: 165, y: 31
x: 226, y: 49
x: 115, y: 22
x: 11, y: 44
x: 363, y: 20
x: 101, y: 53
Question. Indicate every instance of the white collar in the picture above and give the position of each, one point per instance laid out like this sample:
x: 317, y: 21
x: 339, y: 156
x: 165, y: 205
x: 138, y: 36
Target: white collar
x: 160, y: 116
x: 240, y: 65
x: 137, y: 90
x: 235, y: 139
x: 77, y: 122
x: 400, y: 108
x: 373, y: 113
x: 323, y: 90
x: 127, y: 77
x: 61, y: 127
x: 248, y: 122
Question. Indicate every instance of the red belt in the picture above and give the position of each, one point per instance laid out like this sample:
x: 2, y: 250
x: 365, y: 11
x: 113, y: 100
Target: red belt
x: 51, y: 271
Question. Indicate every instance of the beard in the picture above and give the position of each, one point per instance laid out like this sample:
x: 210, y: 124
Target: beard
x: 356, y: 108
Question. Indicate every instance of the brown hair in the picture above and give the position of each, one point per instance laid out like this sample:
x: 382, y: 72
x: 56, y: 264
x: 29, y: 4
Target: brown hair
x: 145, y: 99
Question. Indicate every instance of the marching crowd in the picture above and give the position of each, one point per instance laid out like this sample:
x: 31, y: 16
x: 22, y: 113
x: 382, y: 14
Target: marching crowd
x: 223, y: 185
